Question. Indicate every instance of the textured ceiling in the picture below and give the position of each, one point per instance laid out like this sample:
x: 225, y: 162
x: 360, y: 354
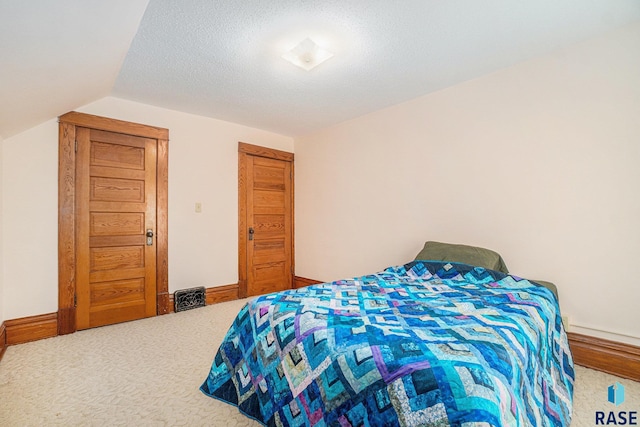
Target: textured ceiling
x: 222, y: 59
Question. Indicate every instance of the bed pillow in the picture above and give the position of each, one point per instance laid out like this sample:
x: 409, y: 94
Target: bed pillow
x: 549, y: 285
x: 472, y: 255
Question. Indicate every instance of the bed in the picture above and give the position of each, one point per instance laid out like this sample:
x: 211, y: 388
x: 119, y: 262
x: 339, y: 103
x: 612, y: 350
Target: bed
x: 434, y: 342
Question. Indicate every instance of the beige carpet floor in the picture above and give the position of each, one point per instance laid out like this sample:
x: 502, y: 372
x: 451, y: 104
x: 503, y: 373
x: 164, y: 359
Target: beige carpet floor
x: 148, y: 373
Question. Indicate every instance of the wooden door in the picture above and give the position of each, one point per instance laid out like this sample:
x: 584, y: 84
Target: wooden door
x: 116, y: 226
x: 266, y: 220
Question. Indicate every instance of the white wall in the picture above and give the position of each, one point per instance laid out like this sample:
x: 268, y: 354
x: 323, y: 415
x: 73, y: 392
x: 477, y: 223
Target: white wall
x: 30, y: 221
x: 539, y: 161
x: 1, y: 253
x: 203, y: 166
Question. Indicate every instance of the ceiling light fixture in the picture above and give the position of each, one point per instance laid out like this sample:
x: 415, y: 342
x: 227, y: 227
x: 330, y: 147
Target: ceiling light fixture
x: 307, y: 54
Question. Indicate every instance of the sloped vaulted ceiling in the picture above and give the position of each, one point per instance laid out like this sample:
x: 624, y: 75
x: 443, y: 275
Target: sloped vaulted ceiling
x: 58, y: 55
x: 222, y: 58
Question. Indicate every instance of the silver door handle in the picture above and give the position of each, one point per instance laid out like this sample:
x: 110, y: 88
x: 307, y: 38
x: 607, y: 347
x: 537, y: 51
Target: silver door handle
x: 149, y: 237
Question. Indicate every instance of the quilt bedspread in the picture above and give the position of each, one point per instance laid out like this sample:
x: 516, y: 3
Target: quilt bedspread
x: 427, y: 343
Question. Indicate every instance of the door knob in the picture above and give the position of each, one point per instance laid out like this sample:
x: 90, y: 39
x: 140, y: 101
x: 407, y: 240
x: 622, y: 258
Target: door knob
x: 149, y: 237
x: 251, y: 231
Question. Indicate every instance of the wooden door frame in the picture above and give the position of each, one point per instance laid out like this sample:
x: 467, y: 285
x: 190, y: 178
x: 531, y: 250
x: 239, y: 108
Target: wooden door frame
x: 67, y: 212
x: 245, y: 149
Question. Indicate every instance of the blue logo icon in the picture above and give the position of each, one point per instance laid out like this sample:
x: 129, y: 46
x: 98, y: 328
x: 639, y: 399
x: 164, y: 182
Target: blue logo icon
x: 616, y: 394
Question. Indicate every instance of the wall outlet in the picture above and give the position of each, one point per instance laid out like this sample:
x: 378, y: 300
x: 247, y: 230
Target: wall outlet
x: 566, y: 323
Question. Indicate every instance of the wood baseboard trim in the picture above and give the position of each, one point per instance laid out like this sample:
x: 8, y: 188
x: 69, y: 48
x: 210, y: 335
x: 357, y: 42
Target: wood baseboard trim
x: 301, y: 282
x: 164, y: 304
x: 3, y: 339
x: 222, y: 294
x: 66, y: 320
x: 31, y: 328
x: 612, y: 357
x: 213, y: 295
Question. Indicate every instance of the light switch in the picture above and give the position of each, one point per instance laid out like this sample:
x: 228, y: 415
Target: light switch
x: 198, y: 207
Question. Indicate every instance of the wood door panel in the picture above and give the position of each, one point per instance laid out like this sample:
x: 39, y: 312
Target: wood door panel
x: 111, y: 206
x: 266, y: 208
x: 116, y: 190
x: 269, y: 177
x: 116, y: 205
x: 111, y: 172
x: 105, y: 241
x: 120, y: 156
x: 116, y: 223
x: 268, y: 278
x: 113, y: 258
x: 124, y: 312
x: 117, y: 291
x: 269, y: 226
x: 92, y: 146
x: 266, y: 199
x: 113, y: 275
x: 266, y: 251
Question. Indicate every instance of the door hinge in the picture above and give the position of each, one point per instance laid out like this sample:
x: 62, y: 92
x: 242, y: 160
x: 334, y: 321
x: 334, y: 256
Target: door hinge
x: 75, y: 300
x: 76, y: 145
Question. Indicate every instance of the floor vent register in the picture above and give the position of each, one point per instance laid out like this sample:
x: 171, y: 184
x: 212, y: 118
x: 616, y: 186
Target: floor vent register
x: 186, y: 299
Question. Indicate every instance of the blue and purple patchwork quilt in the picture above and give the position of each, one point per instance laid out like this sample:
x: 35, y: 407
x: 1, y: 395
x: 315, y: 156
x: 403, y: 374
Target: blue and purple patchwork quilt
x: 424, y: 344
